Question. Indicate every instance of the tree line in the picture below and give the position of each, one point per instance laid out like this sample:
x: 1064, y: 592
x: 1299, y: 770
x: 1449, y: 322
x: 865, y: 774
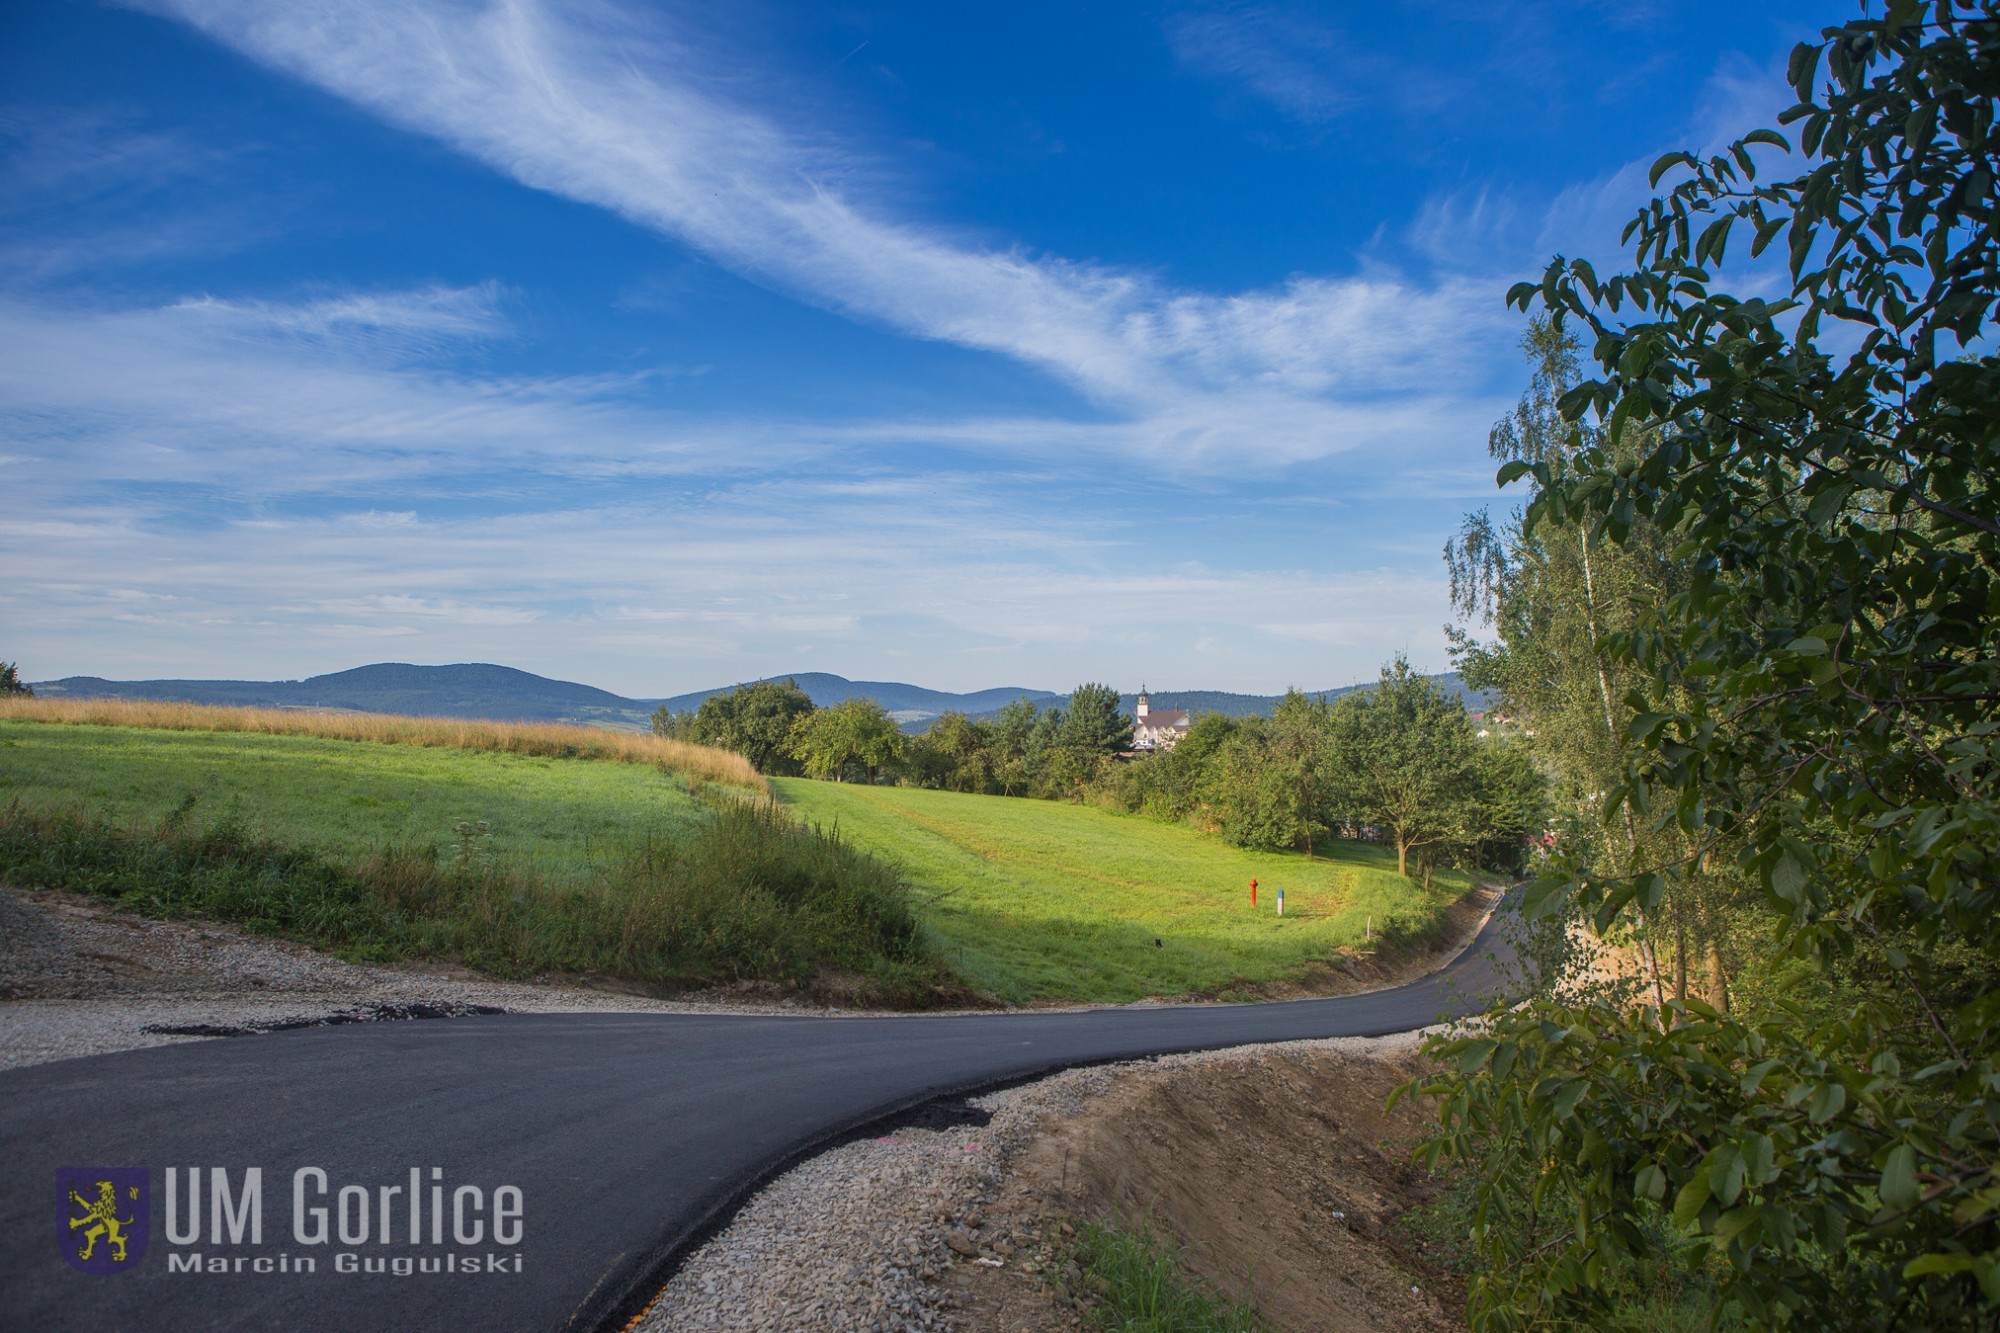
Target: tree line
x: 1749, y: 613
x: 1401, y: 761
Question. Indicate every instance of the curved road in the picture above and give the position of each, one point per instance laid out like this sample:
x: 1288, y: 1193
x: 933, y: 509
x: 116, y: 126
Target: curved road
x: 625, y: 1134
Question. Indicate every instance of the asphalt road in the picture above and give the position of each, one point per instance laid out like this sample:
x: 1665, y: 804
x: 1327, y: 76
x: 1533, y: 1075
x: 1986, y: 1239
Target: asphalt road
x: 626, y: 1135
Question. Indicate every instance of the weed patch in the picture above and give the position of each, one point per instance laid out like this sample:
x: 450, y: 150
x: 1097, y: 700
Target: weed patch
x: 1135, y: 1285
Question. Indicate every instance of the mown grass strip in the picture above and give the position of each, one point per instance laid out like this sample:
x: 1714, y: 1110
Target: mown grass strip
x: 1046, y: 900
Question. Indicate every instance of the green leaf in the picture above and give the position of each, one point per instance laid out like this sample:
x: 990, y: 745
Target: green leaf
x: 1726, y: 1173
x: 1650, y: 1183
x: 1803, y: 65
x: 1666, y: 164
x: 1788, y: 878
x: 1899, y: 1188
x: 1693, y: 1197
x: 1807, y: 645
x: 1474, y: 1055
x: 1544, y: 895
x: 1513, y: 471
x: 1936, y: 1264
x: 1734, y: 1223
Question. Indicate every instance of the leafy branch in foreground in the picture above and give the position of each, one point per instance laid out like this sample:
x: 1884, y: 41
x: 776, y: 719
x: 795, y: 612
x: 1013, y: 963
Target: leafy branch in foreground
x: 1812, y: 708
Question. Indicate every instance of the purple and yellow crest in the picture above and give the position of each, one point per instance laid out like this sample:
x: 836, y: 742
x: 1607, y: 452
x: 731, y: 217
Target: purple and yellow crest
x: 103, y: 1215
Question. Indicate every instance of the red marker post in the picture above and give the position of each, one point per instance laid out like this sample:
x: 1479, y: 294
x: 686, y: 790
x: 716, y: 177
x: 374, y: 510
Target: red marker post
x: 1253, y: 895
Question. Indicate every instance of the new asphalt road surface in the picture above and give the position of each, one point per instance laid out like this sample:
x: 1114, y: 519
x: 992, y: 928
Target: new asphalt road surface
x: 517, y: 1171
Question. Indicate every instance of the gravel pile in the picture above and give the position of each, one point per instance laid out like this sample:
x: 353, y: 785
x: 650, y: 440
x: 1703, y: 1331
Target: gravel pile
x: 874, y: 1235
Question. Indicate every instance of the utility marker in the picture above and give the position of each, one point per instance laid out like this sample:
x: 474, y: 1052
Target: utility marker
x: 1281, y: 902
x: 1253, y: 895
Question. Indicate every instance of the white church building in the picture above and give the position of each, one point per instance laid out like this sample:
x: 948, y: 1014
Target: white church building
x: 1156, y: 728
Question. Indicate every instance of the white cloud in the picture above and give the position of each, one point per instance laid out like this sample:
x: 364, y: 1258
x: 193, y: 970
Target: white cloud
x: 668, y: 594
x: 583, y: 102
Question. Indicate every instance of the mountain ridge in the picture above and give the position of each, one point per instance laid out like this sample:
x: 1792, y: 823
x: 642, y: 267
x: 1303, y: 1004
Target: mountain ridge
x: 501, y: 693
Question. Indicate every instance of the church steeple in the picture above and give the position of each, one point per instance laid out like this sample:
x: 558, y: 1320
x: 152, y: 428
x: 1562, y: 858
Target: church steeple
x: 1139, y: 710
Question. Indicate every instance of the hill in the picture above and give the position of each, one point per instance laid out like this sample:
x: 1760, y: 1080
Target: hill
x: 504, y: 694
x: 467, y: 689
x: 905, y: 703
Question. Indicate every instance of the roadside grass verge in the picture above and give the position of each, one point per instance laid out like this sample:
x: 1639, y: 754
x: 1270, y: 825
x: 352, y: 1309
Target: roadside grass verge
x: 746, y: 895
x: 1040, y: 900
x: 1136, y: 1285
x: 550, y: 740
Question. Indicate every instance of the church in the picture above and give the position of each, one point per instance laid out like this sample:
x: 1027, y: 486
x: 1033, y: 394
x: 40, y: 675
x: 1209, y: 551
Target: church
x: 1157, y: 728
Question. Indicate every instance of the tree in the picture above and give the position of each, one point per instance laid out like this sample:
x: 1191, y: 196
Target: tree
x: 11, y: 682
x: 1253, y: 792
x: 1010, y: 731
x: 1093, y: 725
x: 1403, y: 758
x: 955, y: 753
x: 1510, y: 807
x: 1299, y: 735
x: 1553, y: 592
x: 1818, y: 706
x: 854, y: 732
x: 756, y: 721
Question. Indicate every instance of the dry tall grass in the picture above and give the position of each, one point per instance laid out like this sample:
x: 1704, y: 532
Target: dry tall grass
x: 551, y: 739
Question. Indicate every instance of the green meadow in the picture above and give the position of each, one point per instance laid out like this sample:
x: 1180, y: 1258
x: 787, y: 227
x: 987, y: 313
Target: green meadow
x: 1038, y: 900
x: 559, y: 819
x: 520, y: 863
x: 512, y: 863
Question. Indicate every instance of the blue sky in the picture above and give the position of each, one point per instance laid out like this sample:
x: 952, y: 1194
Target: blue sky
x: 658, y: 346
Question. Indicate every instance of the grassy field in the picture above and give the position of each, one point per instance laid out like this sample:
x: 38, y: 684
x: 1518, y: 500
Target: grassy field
x: 513, y: 862
x: 560, y: 819
x: 1041, y: 900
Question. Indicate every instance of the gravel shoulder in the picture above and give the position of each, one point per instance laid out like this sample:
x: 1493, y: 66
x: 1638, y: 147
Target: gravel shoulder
x: 79, y: 979
x: 1273, y: 1170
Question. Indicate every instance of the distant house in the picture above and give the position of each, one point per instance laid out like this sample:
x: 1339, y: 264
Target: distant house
x: 1157, y: 728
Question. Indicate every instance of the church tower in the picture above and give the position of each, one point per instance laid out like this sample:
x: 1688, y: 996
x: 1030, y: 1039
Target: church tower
x: 1139, y: 709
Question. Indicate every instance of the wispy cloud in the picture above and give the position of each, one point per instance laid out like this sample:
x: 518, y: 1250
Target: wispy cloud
x: 590, y: 104
x: 100, y: 175
x: 1473, y: 228
x: 1299, y: 62
x: 674, y: 594
x: 348, y: 394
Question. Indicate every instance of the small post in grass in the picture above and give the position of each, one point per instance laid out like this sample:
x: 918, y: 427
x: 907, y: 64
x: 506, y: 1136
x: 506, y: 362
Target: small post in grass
x: 1253, y: 895
x: 1281, y: 902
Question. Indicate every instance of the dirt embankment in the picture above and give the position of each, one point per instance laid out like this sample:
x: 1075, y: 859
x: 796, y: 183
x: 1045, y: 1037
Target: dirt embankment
x: 1277, y: 1173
